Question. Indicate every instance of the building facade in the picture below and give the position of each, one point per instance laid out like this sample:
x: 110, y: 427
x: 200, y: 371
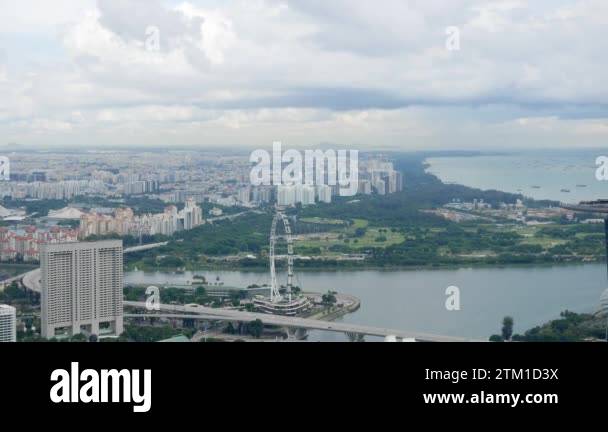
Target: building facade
x: 24, y: 244
x: 324, y: 193
x: 82, y: 287
x: 192, y: 215
x: 8, y: 324
x: 124, y: 222
x: 286, y: 195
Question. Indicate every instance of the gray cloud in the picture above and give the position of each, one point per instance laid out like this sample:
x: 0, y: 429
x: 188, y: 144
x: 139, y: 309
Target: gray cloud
x: 307, y: 69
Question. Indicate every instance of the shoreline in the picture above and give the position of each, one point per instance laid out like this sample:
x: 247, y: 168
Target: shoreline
x: 368, y: 268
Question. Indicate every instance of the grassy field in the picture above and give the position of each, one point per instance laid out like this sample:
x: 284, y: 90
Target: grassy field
x: 347, y: 236
x: 360, y: 223
x: 322, y: 221
x: 544, y: 242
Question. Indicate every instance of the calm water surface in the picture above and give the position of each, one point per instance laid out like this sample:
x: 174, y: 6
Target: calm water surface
x: 540, y: 175
x: 415, y: 300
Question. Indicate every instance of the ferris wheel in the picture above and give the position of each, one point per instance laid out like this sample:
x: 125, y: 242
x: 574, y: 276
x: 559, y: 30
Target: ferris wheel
x: 275, y: 294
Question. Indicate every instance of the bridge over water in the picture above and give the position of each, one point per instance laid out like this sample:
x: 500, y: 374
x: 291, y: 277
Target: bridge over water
x: 206, y: 313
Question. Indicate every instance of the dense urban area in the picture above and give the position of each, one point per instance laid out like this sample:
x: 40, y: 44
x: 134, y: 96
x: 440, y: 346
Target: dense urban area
x: 183, y: 211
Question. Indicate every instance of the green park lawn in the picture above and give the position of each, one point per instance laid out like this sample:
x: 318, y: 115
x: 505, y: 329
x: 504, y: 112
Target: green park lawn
x: 372, y: 238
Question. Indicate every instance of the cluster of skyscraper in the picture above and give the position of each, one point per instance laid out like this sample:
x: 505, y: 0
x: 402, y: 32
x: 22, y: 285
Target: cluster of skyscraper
x: 375, y: 177
x: 379, y: 177
x: 255, y: 195
x: 63, y: 190
x: 124, y: 221
x: 303, y: 194
x: 141, y: 187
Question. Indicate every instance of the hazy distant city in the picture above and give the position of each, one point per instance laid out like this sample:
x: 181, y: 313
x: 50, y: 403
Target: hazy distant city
x: 69, y: 219
x: 185, y: 180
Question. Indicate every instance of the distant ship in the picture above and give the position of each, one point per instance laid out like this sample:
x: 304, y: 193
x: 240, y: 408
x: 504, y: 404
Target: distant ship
x: 566, y: 190
x: 535, y: 187
x: 581, y: 186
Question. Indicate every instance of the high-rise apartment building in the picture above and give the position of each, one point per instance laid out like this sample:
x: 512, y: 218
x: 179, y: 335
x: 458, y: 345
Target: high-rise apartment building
x: 141, y: 187
x: 191, y: 214
x: 262, y: 194
x: 298, y: 193
x: 324, y: 193
x: 308, y: 195
x: 245, y: 195
x: 8, y: 324
x: 124, y: 222
x: 82, y: 287
x: 286, y: 195
x: 379, y: 186
x: 365, y: 187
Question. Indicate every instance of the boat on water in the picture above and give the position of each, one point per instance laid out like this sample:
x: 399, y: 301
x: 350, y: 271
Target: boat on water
x: 566, y: 190
x: 581, y: 186
x: 535, y: 187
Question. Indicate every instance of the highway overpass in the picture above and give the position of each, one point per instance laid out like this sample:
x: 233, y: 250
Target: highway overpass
x: 206, y: 313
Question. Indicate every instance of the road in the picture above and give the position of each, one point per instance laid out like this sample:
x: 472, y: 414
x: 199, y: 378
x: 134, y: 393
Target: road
x: 201, y: 312
x: 145, y: 247
x: 9, y: 281
x: 31, y: 280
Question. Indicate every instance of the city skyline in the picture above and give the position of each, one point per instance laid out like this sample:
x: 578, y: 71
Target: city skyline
x: 402, y: 219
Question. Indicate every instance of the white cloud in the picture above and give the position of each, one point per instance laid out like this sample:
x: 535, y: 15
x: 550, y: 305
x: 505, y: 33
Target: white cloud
x: 216, y: 32
x: 246, y: 71
x: 39, y: 16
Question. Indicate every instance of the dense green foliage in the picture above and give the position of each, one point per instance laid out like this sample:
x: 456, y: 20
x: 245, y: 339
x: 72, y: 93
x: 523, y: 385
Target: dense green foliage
x: 248, y: 234
x: 256, y: 328
x: 19, y: 297
x: 135, y: 333
x: 39, y: 207
x: 169, y: 295
x: 571, y: 327
x: 130, y: 241
x: 139, y: 204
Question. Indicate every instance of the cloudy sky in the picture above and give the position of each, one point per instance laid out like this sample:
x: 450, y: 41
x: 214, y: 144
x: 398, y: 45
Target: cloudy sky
x: 368, y: 73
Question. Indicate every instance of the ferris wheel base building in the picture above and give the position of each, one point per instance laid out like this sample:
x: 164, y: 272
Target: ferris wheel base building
x: 288, y: 308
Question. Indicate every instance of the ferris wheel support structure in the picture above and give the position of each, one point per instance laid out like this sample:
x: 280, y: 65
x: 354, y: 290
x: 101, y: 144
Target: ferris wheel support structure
x: 275, y: 294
